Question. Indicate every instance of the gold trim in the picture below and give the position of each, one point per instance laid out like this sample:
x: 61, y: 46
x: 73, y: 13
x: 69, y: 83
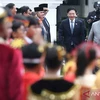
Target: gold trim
x: 48, y: 95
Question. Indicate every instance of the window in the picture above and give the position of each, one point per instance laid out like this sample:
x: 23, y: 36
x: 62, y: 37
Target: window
x: 71, y: 2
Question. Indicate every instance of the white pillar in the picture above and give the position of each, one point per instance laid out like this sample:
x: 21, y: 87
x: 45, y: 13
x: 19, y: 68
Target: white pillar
x: 82, y: 6
x: 51, y: 16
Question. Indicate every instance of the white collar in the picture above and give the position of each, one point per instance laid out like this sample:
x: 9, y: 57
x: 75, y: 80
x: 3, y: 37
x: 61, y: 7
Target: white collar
x: 52, y: 75
x: 28, y: 40
x: 87, y: 80
x: 73, y: 21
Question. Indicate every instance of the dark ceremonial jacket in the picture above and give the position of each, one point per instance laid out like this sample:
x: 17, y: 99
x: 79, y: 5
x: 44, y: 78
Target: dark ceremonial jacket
x: 51, y: 89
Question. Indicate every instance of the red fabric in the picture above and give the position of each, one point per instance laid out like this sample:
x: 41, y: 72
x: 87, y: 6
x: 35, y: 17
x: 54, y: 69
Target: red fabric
x: 10, y: 74
x: 30, y: 78
x: 70, y: 77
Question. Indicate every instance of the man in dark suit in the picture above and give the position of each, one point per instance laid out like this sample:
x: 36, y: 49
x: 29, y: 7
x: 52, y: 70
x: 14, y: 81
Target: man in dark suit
x: 71, y: 31
x: 45, y: 21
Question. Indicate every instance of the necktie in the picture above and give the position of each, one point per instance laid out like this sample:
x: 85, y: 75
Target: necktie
x: 72, y: 27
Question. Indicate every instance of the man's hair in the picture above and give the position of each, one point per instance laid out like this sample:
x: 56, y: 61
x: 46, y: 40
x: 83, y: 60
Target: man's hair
x: 24, y: 9
x: 9, y: 14
x: 20, y: 17
x: 33, y: 21
x: 52, y: 60
x: 10, y: 5
x: 31, y: 52
x: 16, y: 25
x: 68, y: 10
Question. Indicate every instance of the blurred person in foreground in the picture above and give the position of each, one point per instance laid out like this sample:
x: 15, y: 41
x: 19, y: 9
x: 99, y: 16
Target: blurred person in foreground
x: 69, y: 69
x: 52, y: 86
x: 86, y: 61
x: 11, y: 70
x: 33, y: 57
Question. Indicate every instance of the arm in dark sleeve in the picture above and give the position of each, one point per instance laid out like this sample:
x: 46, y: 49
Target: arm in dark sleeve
x: 15, y: 91
x: 61, y: 35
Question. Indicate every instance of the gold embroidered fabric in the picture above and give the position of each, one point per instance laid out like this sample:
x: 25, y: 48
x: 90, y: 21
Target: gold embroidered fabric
x: 48, y: 95
x: 17, y: 43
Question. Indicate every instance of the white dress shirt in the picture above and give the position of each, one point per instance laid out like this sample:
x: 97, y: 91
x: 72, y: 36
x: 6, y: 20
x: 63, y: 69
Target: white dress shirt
x: 71, y: 23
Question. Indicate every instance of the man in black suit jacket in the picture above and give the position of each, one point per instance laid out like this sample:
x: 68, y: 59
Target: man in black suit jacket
x: 71, y: 31
x: 45, y: 21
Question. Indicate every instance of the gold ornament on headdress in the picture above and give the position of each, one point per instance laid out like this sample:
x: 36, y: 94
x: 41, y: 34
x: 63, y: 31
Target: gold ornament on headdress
x: 41, y: 49
x: 2, y: 13
x: 60, y: 52
x: 17, y: 43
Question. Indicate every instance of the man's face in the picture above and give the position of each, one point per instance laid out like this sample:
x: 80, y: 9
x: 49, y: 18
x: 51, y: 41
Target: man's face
x: 7, y: 29
x: 45, y: 11
x: 20, y: 33
x: 41, y: 14
x: 71, y: 14
x: 28, y: 13
x: 32, y: 30
x: 14, y: 10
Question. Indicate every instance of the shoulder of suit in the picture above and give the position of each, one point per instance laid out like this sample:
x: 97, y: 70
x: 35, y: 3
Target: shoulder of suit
x: 92, y: 12
x: 65, y: 20
x: 96, y: 22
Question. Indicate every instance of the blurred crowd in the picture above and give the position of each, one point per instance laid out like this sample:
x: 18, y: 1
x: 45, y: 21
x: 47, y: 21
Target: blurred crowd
x: 32, y: 68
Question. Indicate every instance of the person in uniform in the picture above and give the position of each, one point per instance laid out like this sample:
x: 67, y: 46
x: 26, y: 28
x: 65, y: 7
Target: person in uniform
x: 45, y: 21
x: 94, y: 15
x: 11, y: 69
x: 33, y: 57
x: 52, y: 86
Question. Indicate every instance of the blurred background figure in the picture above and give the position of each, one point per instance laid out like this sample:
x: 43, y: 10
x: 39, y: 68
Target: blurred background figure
x: 40, y: 15
x: 45, y: 21
x: 94, y: 15
x: 94, y: 35
x: 25, y: 10
x: 12, y: 8
x: 32, y: 28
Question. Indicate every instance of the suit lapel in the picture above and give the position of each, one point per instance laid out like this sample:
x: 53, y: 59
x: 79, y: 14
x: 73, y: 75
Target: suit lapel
x: 68, y: 26
x: 75, y: 25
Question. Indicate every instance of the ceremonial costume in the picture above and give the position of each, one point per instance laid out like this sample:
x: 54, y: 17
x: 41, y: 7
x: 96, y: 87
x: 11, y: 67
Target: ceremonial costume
x: 52, y: 86
x: 34, y: 71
